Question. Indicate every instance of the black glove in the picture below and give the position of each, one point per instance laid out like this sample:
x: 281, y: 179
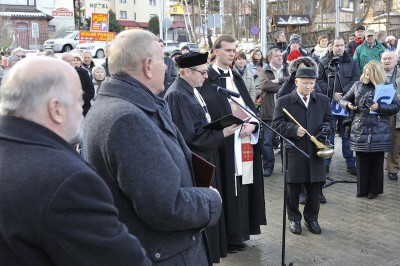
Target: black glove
x: 292, y: 77
x: 323, y: 132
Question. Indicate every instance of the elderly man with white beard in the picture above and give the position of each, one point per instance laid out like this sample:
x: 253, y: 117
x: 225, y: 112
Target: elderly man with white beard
x: 389, y: 63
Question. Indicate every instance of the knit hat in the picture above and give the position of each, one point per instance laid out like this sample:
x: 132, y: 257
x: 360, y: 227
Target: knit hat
x: 360, y: 27
x: 391, y: 37
x: 293, y: 55
x: 295, y: 38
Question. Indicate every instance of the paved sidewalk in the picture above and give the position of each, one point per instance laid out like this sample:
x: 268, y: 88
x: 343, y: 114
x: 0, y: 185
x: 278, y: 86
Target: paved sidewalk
x: 355, y: 231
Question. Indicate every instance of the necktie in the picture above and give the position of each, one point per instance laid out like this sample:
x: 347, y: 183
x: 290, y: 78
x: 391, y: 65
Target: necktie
x: 305, y: 99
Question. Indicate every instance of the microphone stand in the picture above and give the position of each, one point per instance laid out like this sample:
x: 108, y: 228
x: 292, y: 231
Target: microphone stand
x: 288, y: 145
x: 336, y: 78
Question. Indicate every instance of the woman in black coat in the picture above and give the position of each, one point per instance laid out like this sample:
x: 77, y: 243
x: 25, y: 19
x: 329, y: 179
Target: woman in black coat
x: 370, y: 134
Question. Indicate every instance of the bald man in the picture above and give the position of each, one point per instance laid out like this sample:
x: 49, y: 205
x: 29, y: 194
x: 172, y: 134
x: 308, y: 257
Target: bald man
x: 55, y: 210
x: 389, y: 62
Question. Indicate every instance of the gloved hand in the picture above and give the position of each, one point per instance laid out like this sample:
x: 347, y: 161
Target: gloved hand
x: 292, y: 77
x: 323, y: 132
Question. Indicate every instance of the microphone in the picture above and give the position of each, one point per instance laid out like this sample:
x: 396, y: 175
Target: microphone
x: 225, y: 91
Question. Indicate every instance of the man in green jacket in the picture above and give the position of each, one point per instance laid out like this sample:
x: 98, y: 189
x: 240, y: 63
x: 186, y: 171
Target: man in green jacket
x: 369, y: 50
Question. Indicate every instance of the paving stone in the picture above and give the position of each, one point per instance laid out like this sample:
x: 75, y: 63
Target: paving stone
x: 355, y: 231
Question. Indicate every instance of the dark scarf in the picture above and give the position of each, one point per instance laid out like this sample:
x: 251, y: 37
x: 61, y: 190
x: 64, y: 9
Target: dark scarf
x: 241, y: 71
x: 127, y: 80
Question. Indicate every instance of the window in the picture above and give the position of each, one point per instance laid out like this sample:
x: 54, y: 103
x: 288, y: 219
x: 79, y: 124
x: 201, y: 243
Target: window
x: 175, y: 9
x: 122, y: 15
x: 152, y: 2
x: 122, y: 1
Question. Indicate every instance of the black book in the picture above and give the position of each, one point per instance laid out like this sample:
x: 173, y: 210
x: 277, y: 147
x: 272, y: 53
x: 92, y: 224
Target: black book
x: 203, y: 171
x: 224, y: 122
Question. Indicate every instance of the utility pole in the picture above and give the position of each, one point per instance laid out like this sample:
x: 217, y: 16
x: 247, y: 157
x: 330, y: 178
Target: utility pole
x: 263, y: 27
x: 337, y: 28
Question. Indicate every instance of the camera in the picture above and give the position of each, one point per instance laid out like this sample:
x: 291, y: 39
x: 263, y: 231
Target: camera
x: 369, y: 101
x: 334, y: 61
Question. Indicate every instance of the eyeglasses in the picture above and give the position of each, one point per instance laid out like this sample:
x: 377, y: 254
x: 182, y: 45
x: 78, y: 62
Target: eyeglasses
x: 21, y: 56
x: 370, y: 35
x: 202, y: 72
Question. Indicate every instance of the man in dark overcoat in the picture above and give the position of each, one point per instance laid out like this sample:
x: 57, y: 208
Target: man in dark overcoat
x: 313, y: 112
x: 131, y: 140
x: 55, y: 210
x: 243, y: 201
x: 190, y: 114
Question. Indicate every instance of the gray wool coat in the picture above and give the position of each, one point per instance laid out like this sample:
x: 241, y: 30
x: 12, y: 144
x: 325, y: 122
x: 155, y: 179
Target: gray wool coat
x: 301, y: 169
x: 133, y: 144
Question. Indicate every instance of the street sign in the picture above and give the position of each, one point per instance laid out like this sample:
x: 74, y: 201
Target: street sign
x: 254, y: 30
x: 99, y: 22
x: 96, y: 36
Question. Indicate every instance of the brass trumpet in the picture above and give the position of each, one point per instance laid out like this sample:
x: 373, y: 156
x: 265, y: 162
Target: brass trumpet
x: 323, y: 151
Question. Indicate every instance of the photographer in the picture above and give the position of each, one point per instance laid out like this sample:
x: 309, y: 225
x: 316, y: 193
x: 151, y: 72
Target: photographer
x: 337, y: 73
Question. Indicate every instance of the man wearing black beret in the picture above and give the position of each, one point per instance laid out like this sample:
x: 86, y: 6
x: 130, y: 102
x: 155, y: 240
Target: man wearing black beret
x: 313, y: 112
x: 190, y: 114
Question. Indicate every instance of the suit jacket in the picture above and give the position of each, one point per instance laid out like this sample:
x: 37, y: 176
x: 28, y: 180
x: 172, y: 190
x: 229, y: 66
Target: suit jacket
x: 131, y: 140
x: 55, y: 210
x: 319, y: 111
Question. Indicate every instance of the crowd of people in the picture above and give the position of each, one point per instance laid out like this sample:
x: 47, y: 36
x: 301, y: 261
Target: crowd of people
x: 139, y: 120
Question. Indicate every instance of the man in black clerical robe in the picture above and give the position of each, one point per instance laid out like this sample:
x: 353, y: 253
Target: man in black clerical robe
x: 190, y: 114
x: 244, y: 205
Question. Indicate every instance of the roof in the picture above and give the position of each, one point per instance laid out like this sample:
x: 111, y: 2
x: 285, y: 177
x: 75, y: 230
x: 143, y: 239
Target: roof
x: 132, y: 23
x: 25, y: 14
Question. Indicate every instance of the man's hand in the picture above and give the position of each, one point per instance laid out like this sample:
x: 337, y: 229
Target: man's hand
x: 301, y: 132
x: 351, y: 106
x: 374, y: 107
x: 246, y: 130
x: 337, y: 96
x: 230, y: 130
x: 216, y: 191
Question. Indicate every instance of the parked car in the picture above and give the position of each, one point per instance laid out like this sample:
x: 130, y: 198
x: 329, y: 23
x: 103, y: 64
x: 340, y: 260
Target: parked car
x: 64, y: 43
x: 96, y: 48
x: 194, y: 47
x: 171, y: 46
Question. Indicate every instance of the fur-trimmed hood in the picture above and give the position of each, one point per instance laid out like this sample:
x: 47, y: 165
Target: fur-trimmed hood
x: 308, y: 61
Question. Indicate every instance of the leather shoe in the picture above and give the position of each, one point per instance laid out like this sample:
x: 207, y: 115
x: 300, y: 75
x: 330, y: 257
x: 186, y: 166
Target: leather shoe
x: 267, y: 173
x: 322, y: 199
x: 352, y: 170
x: 236, y: 248
x: 295, y: 227
x: 313, y: 226
x: 393, y: 176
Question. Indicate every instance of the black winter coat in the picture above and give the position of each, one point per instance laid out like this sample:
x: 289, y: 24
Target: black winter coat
x: 348, y: 73
x: 369, y: 132
x: 301, y: 169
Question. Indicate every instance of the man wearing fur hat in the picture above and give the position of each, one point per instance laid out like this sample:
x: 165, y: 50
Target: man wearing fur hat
x: 313, y: 112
